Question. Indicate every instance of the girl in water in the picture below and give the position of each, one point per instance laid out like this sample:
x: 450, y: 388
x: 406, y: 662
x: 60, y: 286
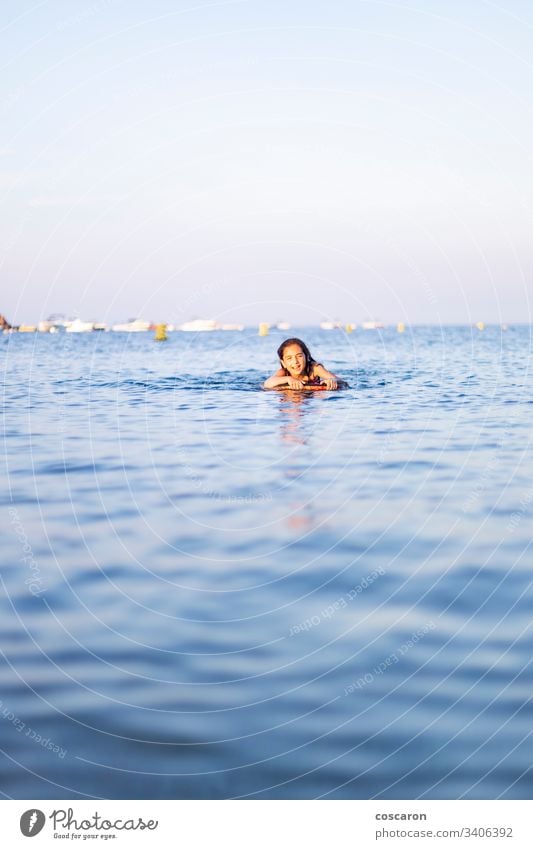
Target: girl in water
x: 298, y: 369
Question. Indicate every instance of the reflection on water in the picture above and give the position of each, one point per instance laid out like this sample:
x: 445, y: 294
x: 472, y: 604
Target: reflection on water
x: 291, y: 408
x: 213, y: 591
x: 301, y: 517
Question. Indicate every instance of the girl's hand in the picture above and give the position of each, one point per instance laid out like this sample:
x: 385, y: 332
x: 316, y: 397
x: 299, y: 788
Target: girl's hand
x: 294, y: 383
x: 330, y: 383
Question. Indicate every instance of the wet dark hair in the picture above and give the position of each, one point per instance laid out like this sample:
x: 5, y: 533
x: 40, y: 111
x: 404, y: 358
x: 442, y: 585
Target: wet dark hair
x: 309, y: 361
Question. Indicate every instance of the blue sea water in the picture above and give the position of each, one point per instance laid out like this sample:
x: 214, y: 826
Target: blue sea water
x: 212, y: 591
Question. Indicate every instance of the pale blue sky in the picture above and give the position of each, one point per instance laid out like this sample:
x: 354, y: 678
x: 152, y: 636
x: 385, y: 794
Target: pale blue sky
x: 264, y: 160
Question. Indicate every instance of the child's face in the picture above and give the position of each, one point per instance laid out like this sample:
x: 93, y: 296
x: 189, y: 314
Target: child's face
x: 294, y: 360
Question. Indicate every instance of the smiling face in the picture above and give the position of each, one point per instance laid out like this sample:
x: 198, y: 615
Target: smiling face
x: 294, y: 360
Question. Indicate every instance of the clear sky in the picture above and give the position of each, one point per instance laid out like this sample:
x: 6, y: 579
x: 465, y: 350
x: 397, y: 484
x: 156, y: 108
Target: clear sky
x: 267, y: 159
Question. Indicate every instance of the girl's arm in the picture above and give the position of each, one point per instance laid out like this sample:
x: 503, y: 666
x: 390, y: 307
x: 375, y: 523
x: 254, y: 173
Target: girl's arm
x: 280, y: 378
x: 331, y: 380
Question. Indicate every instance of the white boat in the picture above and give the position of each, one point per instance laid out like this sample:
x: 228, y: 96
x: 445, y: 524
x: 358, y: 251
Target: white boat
x: 79, y: 326
x: 330, y: 325
x: 199, y: 325
x: 231, y: 327
x: 137, y: 325
x: 372, y: 325
x: 283, y: 325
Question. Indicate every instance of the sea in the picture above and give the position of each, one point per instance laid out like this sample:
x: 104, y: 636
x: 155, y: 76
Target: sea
x: 212, y: 591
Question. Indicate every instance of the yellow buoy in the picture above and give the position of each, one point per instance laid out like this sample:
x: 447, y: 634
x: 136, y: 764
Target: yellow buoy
x: 400, y: 327
x: 349, y: 328
x: 264, y: 328
x: 480, y: 325
x: 161, y: 333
